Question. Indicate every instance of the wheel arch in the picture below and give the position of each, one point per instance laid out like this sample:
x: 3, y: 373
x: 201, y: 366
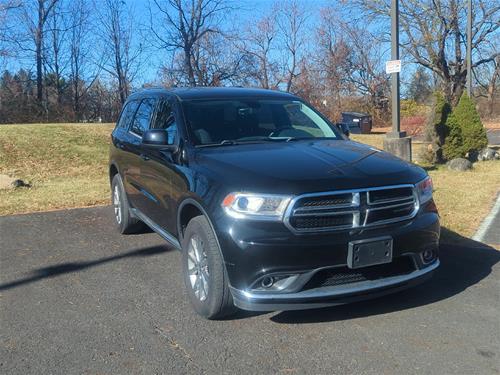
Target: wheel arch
x: 191, y: 208
x: 113, y: 171
x: 188, y: 209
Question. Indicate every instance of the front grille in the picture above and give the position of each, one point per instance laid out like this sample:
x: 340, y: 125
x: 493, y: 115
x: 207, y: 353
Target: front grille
x: 320, y: 222
x: 324, y: 202
x: 344, y: 275
x: 351, y: 209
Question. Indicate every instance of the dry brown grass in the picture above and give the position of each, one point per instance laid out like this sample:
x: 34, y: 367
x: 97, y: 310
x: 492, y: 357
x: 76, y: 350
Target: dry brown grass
x: 66, y: 164
x: 67, y: 167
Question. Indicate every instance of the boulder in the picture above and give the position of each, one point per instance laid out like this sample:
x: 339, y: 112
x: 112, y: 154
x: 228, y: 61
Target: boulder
x: 488, y: 154
x: 20, y: 183
x: 459, y: 164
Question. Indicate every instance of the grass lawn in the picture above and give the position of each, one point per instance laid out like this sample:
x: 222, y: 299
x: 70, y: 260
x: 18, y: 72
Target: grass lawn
x: 66, y: 164
x: 67, y: 167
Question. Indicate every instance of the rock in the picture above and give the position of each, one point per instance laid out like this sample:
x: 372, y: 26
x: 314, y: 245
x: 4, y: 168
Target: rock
x: 488, y: 154
x: 459, y: 164
x: 20, y: 183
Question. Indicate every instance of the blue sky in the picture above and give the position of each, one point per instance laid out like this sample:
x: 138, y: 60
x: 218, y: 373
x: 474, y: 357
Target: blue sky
x: 249, y: 9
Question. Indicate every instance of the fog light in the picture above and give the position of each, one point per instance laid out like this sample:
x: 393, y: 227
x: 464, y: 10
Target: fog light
x: 267, y: 282
x: 428, y: 256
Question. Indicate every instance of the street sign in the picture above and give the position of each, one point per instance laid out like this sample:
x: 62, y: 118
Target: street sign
x: 393, y: 66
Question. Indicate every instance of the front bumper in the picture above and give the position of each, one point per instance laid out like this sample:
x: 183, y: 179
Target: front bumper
x: 255, y: 250
x: 330, y: 296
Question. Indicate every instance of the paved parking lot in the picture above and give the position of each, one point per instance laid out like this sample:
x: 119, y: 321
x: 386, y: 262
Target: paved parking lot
x: 78, y: 298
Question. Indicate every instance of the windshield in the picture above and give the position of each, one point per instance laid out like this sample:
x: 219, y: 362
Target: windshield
x: 232, y: 121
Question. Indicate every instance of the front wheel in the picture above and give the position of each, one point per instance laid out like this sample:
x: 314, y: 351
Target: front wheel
x: 204, y: 271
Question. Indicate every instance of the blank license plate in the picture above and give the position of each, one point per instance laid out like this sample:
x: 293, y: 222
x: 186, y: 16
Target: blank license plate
x: 366, y: 253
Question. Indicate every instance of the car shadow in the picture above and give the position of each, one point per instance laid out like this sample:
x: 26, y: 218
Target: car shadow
x: 464, y: 262
x: 64, y: 268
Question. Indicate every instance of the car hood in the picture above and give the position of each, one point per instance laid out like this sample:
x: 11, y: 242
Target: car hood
x: 305, y: 166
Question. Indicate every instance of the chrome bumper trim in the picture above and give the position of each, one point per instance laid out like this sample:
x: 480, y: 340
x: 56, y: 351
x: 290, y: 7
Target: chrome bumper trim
x: 262, y: 301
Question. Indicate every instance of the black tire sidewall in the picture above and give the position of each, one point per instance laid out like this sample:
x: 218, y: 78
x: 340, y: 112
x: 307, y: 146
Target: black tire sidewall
x: 213, y: 307
x: 126, y: 223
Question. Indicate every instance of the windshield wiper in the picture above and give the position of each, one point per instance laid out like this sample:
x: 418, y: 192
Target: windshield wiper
x: 225, y: 142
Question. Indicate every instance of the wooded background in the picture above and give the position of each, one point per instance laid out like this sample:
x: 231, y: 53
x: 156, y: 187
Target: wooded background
x: 78, y: 60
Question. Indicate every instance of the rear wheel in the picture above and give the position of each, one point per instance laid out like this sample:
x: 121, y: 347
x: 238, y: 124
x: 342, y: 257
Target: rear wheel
x: 121, y: 209
x: 204, y: 271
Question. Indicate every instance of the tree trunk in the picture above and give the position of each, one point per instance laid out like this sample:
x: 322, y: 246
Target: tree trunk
x: 188, y: 66
x: 38, y: 53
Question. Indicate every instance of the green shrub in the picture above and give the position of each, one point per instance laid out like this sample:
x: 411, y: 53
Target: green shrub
x: 453, y: 145
x: 465, y: 133
x: 435, y: 129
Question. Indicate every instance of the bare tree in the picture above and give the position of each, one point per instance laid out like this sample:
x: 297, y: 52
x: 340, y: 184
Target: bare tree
x: 330, y: 59
x: 56, y: 55
x: 259, y: 43
x: 291, y: 21
x: 122, y: 50
x: 488, y: 79
x: 215, y: 62
x: 6, y: 8
x: 38, y: 32
x: 185, y: 24
x: 434, y: 35
x: 82, y: 72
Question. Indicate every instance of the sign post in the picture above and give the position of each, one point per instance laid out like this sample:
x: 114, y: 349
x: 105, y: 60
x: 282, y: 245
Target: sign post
x: 396, y: 141
x: 469, y: 48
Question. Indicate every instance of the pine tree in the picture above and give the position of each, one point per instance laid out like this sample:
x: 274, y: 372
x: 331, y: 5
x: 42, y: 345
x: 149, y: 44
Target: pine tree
x: 465, y: 132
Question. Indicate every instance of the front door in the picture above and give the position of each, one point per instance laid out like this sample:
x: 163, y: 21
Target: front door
x: 159, y: 171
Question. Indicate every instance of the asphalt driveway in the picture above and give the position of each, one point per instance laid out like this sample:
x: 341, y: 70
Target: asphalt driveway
x: 78, y: 298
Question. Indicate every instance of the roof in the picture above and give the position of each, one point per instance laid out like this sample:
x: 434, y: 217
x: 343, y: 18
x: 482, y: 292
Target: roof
x: 213, y: 93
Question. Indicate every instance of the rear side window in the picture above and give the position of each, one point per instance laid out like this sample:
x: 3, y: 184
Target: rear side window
x: 143, y: 116
x: 165, y: 119
x: 127, y: 114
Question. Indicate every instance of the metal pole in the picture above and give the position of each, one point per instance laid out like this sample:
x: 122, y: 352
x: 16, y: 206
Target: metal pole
x: 469, y: 48
x: 395, y: 76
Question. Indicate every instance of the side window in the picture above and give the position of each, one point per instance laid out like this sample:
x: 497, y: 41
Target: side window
x: 165, y: 119
x: 143, y: 116
x: 127, y: 114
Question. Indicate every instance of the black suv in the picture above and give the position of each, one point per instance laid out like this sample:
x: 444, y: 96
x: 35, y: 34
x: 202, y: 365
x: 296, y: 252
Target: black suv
x: 272, y: 207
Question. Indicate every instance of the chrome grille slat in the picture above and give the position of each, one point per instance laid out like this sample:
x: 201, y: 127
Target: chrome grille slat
x: 368, y: 207
x: 385, y: 201
x: 335, y: 213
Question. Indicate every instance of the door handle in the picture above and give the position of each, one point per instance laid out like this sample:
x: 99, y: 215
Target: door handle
x: 144, y: 157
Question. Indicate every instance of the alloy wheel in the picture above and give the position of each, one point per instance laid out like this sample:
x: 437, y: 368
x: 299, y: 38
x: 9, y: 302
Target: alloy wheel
x: 117, y: 205
x: 198, y: 268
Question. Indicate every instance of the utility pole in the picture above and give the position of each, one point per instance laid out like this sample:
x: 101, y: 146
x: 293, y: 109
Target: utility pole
x: 469, y: 48
x: 395, y: 93
x: 396, y: 142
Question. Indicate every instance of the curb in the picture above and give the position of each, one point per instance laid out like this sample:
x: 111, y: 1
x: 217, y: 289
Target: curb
x: 485, y: 225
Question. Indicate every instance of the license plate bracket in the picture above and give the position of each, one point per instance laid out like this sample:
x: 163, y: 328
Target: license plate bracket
x: 369, y: 252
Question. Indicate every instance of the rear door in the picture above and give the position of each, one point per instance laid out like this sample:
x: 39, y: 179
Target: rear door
x: 119, y: 137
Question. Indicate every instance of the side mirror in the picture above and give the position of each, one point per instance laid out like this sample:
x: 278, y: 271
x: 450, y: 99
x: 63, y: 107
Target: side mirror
x: 155, y: 137
x: 344, y: 128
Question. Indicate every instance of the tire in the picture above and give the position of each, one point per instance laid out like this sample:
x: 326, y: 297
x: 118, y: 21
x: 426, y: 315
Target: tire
x: 125, y: 221
x: 203, y: 266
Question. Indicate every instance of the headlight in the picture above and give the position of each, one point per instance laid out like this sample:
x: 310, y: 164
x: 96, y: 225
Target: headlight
x: 255, y: 206
x: 424, y: 190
